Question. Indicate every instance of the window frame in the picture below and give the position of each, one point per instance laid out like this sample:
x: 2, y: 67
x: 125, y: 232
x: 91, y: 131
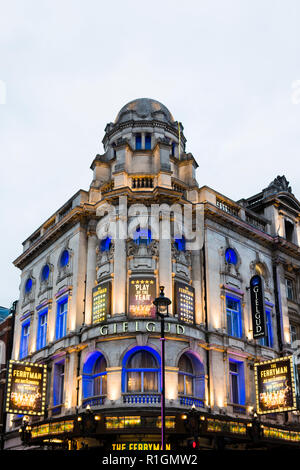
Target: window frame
x: 58, y: 383
x: 239, y: 316
x: 141, y: 371
x: 61, y: 326
x: 41, y: 338
x: 240, y: 382
x: 24, y: 339
x: 269, y: 327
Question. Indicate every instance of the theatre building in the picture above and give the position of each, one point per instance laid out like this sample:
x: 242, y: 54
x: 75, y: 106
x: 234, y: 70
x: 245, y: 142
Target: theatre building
x: 85, y: 309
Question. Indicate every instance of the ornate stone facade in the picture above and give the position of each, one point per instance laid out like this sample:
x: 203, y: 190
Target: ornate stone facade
x: 145, y: 162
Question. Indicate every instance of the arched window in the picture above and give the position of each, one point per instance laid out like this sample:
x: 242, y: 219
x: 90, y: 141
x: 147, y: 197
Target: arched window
x: 94, y: 376
x: 105, y: 244
x: 142, y: 372
x: 45, y: 272
x: 231, y: 256
x: 142, y: 236
x: 186, y: 376
x: 28, y: 285
x: 191, y: 376
x: 64, y: 258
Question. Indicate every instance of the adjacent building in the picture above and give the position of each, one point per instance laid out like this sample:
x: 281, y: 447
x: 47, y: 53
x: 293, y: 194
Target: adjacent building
x: 90, y: 273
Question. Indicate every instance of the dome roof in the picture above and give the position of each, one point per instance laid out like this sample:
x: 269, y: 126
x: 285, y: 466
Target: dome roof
x: 144, y: 109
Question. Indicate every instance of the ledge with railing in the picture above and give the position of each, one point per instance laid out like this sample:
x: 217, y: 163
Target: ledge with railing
x: 190, y: 401
x: 142, y: 182
x: 96, y: 400
x: 141, y: 398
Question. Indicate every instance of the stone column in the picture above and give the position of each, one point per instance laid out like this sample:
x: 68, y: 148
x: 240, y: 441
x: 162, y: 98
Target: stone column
x: 196, y: 278
x: 120, y: 278
x: 165, y: 263
x: 91, y: 276
x: 114, y: 379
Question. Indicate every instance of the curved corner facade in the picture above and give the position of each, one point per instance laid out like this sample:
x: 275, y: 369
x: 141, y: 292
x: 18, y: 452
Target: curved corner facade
x: 90, y: 273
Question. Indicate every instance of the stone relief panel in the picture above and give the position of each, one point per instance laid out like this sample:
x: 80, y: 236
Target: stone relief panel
x: 105, y: 262
x: 142, y: 257
x: 181, y: 261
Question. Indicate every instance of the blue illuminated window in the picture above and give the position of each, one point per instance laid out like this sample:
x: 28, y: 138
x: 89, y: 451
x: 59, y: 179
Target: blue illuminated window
x: 64, y: 258
x: 180, y: 243
x: 268, y: 340
x: 138, y: 141
x: 45, y: 272
x: 105, y: 244
x: 185, y: 376
x: 231, y: 256
x: 28, y: 285
x: 24, y: 339
x: 94, y: 376
x: 148, y: 142
x: 234, y: 316
x: 58, y: 383
x: 142, y: 372
x: 41, y: 339
x: 237, y: 382
x: 61, y: 319
x: 142, y: 236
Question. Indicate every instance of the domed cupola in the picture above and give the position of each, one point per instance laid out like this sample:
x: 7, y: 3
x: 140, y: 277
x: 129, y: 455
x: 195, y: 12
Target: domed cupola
x: 144, y: 109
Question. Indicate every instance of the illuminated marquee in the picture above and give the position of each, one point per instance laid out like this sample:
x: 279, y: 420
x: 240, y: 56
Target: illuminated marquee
x: 142, y: 292
x: 101, y: 302
x: 275, y: 386
x: 26, y: 388
x: 185, y: 302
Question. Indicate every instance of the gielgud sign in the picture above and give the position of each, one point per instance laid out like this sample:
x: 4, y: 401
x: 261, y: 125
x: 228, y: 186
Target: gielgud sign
x: 275, y: 385
x: 257, y: 307
x: 26, y: 388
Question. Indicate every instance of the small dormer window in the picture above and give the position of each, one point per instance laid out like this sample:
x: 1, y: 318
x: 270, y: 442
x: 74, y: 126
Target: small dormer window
x: 148, y: 142
x: 28, y: 285
x: 231, y: 256
x: 138, y: 141
x: 289, y: 231
x: 45, y: 272
x: 64, y: 258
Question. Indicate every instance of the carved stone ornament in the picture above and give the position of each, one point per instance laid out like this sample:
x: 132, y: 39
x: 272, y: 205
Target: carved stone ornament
x: 280, y: 184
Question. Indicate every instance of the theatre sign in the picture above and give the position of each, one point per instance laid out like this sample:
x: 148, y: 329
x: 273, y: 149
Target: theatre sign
x: 275, y: 386
x: 26, y: 388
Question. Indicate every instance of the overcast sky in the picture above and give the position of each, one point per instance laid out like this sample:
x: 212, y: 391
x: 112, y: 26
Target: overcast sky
x: 227, y: 69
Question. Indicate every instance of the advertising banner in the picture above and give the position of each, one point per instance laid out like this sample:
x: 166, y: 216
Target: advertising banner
x: 142, y: 292
x: 258, y: 307
x: 275, y: 385
x: 26, y: 388
x: 185, y: 302
x: 101, y: 302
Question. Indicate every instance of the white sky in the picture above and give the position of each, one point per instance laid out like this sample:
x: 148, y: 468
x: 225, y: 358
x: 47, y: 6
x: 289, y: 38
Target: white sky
x: 225, y: 69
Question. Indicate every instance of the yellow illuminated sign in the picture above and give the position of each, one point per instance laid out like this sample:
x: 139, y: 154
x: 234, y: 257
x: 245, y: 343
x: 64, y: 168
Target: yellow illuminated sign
x: 26, y: 388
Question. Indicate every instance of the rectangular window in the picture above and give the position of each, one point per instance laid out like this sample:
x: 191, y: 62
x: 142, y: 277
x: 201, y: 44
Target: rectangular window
x: 148, y: 142
x: 295, y: 332
x: 41, y: 339
x: 58, y: 383
x: 24, y: 339
x: 61, y: 318
x: 268, y: 340
x: 138, y: 141
x: 237, y: 382
x: 234, y: 317
x: 289, y: 289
